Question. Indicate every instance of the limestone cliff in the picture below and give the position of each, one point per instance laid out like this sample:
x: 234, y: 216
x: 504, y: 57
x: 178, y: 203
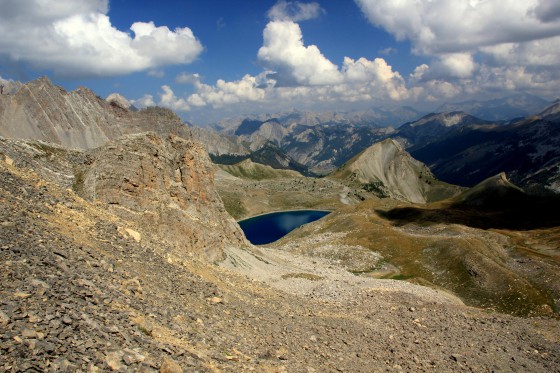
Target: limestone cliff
x: 166, y: 186
x: 39, y: 110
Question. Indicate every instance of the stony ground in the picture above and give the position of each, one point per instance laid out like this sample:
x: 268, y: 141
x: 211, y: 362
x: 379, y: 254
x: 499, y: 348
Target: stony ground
x: 78, y: 293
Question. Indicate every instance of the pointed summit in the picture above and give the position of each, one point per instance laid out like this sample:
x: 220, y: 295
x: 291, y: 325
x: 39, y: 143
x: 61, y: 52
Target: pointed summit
x: 386, y: 169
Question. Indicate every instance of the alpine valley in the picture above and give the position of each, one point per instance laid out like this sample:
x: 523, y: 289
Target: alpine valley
x: 120, y: 248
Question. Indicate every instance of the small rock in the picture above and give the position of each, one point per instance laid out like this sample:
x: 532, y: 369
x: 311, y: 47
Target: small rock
x: 457, y: 357
x: 29, y: 333
x: 7, y: 224
x: 46, y: 346
x: 412, y: 309
x: 113, y: 329
x: 67, y: 320
x: 132, y: 357
x: 170, y: 366
x: 114, y: 360
x: 216, y: 300
x: 22, y: 295
x: 313, y: 338
x: 4, y: 319
x: 282, y: 353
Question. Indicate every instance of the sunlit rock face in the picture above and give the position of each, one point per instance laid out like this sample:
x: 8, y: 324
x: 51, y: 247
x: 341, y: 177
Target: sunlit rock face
x: 39, y: 110
x: 167, y: 187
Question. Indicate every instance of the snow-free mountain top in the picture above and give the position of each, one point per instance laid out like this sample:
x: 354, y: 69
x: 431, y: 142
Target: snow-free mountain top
x: 39, y: 110
x: 386, y: 168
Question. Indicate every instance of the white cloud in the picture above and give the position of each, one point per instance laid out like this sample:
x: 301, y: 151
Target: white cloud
x: 168, y: 99
x: 144, y: 101
x: 226, y: 93
x: 455, y: 65
x: 76, y: 38
x: 283, y: 51
x: 388, y: 51
x: 475, y: 46
x: 294, y: 11
x: 377, y: 75
x: 450, y: 26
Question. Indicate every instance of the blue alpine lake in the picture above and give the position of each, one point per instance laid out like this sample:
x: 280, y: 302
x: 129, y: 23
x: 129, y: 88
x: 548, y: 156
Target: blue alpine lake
x: 268, y: 228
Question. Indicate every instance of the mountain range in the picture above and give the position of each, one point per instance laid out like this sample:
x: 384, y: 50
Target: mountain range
x: 459, y: 148
x: 119, y: 248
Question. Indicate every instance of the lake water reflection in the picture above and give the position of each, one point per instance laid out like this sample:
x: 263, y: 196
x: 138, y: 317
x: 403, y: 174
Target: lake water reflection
x: 268, y: 228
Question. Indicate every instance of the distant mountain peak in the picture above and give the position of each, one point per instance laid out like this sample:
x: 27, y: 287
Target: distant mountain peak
x: 447, y: 119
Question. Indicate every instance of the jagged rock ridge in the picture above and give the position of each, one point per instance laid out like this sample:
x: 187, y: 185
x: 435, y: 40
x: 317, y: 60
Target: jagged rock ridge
x: 40, y: 110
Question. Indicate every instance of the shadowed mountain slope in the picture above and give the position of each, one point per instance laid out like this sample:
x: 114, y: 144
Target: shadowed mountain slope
x: 528, y: 151
x: 494, y: 203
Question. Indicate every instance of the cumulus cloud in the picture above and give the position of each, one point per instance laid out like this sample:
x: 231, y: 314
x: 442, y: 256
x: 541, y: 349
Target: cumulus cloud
x: 294, y: 11
x: 144, y: 101
x: 475, y: 45
x: 455, y: 65
x: 76, y: 38
x: 168, y: 99
x: 283, y: 51
x: 449, y: 26
x: 375, y: 74
x: 226, y: 93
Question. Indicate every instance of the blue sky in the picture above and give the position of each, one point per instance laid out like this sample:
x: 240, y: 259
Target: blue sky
x: 217, y: 58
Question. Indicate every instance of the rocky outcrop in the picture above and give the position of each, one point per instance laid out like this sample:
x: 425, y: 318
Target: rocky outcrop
x: 39, y: 110
x: 167, y: 187
x: 387, y: 170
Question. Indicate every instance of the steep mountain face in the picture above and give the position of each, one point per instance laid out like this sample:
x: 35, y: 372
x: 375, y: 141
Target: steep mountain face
x: 80, y: 119
x: 504, y: 109
x: 166, y: 186
x: 433, y: 127
x: 528, y: 151
x: 388, y: 170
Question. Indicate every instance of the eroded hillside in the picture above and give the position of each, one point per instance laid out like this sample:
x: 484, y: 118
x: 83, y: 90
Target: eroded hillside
x: 83, y: 289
